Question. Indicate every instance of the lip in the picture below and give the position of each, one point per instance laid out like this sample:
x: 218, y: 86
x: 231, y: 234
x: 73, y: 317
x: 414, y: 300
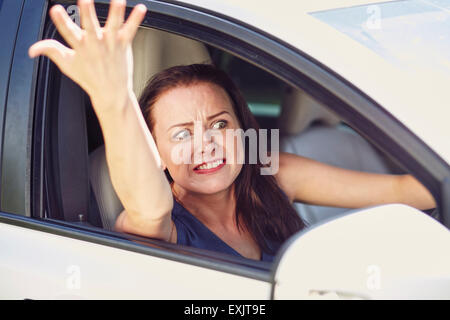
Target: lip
x: 205, y: 171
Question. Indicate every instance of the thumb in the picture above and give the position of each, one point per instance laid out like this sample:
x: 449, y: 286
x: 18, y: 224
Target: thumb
x: 52, y: 49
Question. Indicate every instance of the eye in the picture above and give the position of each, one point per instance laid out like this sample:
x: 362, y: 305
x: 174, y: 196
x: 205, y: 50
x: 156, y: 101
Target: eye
x: 181, y: 135
x: 220, y: 124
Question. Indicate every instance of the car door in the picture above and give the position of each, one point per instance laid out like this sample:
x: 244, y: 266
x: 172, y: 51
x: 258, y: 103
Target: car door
x: 45, y: 258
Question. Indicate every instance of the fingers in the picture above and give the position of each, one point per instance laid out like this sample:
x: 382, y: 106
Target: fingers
x: 116, y: 15
x: 53, y: 49
x: 133, y: 22
x: 68, y: 30
x: 88, y: 17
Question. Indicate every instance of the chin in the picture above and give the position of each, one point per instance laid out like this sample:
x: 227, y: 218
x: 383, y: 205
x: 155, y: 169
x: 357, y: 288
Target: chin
x: 212, y: 186
x: 209, y: 183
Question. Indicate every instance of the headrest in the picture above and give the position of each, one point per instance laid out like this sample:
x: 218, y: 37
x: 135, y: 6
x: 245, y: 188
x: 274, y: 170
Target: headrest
x: 299, y: 110
x: 155, y: 50
x: 108, y: 202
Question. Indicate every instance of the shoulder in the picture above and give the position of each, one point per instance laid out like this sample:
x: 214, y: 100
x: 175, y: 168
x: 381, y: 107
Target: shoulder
x: 284, y: 176
x: 294, y: 171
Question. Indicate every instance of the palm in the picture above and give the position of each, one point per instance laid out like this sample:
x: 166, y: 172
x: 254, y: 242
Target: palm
x: 99, y: 59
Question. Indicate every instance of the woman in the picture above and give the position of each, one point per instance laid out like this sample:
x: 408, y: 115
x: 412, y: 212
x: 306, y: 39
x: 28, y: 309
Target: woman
x: 215, y: 203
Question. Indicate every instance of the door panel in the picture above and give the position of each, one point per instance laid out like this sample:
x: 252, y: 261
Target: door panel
x: 41, y: 265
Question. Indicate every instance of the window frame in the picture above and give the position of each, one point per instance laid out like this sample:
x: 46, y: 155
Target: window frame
x: 9, y: 20
x: 274, y: 56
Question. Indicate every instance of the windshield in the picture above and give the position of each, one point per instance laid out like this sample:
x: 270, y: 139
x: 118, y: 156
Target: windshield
x: 411, y: 34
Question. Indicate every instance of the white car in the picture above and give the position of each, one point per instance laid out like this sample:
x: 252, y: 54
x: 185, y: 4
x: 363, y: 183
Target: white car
x: 358, y: 84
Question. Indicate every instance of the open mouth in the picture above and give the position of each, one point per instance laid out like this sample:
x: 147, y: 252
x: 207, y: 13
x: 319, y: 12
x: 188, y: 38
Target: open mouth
x: 208, y: 167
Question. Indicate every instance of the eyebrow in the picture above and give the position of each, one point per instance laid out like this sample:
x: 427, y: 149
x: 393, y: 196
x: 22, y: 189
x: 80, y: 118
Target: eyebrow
x: 191, y: 123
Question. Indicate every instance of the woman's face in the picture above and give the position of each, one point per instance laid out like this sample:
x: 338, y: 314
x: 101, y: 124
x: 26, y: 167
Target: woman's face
x: 190, y: 124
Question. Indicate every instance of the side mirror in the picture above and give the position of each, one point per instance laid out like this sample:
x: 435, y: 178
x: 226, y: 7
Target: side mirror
x: 386, y: 252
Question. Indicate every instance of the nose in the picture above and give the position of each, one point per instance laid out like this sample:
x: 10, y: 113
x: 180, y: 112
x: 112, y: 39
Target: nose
x: 204, y: 145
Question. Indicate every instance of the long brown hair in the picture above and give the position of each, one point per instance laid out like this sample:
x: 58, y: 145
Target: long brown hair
x: 261, y: 206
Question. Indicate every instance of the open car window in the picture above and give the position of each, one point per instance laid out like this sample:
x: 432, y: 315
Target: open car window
x: 78, y: 187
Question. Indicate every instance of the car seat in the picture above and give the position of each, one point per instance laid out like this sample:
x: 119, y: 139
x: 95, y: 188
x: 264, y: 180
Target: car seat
x: 309, y: 129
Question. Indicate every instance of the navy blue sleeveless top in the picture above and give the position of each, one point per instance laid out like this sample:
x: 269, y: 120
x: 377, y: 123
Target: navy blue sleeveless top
x: 192, y: 232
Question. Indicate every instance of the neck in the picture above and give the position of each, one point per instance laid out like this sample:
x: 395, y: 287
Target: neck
x: 211, y: 209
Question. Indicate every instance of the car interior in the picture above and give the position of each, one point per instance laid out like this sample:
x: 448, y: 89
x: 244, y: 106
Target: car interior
x: 80, y: 187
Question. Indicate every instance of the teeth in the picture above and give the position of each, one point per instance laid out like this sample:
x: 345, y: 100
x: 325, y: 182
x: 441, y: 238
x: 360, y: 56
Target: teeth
x: 211, y: 165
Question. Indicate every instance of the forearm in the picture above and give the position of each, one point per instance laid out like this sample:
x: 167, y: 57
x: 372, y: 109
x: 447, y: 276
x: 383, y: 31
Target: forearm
x: 338, y: 187
x: 352, y: 189
x: 316, y: 183
x: 413, y: 193
x: 133, y: 160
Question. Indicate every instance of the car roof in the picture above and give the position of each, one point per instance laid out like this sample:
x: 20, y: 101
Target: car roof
x: 418, y: 98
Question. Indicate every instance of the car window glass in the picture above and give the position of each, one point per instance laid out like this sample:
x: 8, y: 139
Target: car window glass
x: 408, y: 34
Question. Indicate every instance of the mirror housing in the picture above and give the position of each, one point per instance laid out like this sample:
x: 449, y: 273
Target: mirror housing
x: 386, y: 252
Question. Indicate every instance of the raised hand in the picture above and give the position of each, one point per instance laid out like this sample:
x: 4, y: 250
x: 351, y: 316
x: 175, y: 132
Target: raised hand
x: 100, y: 59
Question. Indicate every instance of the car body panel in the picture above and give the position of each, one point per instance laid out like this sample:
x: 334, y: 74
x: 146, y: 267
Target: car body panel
x: 59, y: 267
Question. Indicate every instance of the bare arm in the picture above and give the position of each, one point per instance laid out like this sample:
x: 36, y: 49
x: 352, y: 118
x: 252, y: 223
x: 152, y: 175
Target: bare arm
x: 100, y: 61
x: 316, y: 183
x: 135, y: 168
